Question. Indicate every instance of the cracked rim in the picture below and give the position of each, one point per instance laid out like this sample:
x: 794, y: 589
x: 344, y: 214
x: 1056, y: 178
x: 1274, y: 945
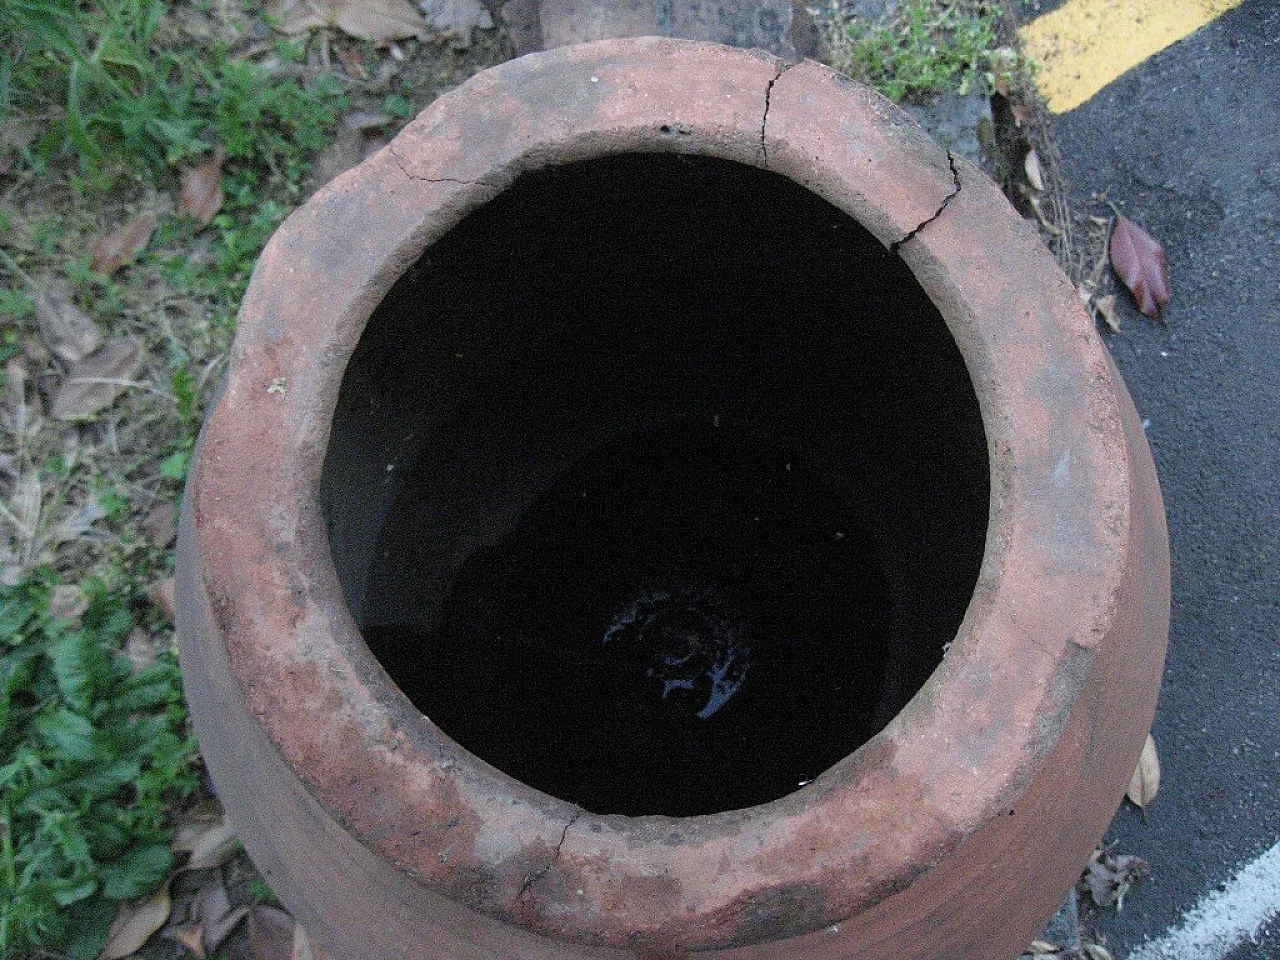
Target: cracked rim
x: 1003, y: 770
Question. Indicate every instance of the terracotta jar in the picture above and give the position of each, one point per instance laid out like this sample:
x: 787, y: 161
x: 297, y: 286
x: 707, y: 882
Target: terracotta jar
x: 687, y: 274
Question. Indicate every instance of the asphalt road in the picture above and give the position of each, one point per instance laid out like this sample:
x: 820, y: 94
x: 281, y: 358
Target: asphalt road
x: 1188, y: 144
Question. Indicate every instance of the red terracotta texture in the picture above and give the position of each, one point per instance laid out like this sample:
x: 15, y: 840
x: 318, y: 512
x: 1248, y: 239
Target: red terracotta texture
x: 953, y: 833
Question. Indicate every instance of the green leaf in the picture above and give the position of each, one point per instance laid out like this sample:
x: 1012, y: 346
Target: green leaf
x: 90, y: 923
x: 176, y: 465
x: 68, y: 733
x: 138, y: 873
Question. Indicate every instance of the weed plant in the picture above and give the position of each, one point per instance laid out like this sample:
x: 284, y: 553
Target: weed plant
x: 93, y: 755
x: 923, y: 49
x: 116, y: 99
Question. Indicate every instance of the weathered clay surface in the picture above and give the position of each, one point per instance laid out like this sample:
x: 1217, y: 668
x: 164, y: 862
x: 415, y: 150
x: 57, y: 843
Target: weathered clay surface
x: 952, y: 833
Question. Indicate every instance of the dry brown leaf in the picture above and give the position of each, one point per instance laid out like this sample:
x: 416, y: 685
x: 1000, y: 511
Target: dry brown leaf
x: 135, y: 923
x: 202, y: 194
x: 161, y: 523
x: 163, y: 597
x: 1109, y: 877
x: 1145, y: 782
x: 195, y: 823
x: 270, y: 934
x: 68, y: 331
x: 212, y: 907
x: 381, y: 21
x: 352, y: 62
x: 190, y: 935
x: 121, y: 245
x: 214, y: 847
x: 1139, y: 262
x: 293, y: 16
x: 1031, y: 166
x: 1106, y: 307
x: 92, y: 384
x: 457, y: 19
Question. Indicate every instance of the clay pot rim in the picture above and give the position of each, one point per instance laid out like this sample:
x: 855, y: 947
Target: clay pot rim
x: 961, y: 752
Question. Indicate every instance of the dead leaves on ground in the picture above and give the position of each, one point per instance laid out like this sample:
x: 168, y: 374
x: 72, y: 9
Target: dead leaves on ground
x: 380, y: 21
x: 1109, y: 876
x: 202, y: 195
x: 1138, y: 260
x: 68, y: 332
x: 94, y: 383
x: 1146, y: 778
x: 136, y: 923
x: 124, y: 243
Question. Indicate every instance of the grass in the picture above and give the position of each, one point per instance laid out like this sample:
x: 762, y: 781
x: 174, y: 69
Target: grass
x: 103, y: 104
x: 924, y: 48
x: 95, y: 755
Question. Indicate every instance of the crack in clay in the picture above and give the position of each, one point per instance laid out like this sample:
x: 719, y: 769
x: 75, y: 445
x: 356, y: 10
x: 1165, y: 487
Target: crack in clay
x: 955, y: 177
x: 783, y: 67
x: 541, y: 872
x: 399, y: 161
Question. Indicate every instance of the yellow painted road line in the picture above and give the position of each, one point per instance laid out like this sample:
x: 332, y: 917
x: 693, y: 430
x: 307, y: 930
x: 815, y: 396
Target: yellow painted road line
x: 1085, y: 44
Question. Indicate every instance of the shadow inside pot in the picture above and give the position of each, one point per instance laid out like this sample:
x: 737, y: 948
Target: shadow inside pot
x: 658, y: 484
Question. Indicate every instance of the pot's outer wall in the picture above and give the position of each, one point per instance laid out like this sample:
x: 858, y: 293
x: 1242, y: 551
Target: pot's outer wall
x: 954, y: 832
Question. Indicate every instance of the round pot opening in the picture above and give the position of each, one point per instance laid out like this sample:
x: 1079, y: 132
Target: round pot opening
x: 658, y: 484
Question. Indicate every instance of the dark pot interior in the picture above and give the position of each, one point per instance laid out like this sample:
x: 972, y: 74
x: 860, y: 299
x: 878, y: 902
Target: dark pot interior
x: 658, y: 484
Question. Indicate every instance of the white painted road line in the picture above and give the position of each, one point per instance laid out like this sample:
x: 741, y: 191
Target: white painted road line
x: 1223, y: 919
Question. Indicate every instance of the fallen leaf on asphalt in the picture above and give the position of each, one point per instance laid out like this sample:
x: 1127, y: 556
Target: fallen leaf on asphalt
x: 202, y: 194
x: 270, y: 934
x: 121, y: 245
x: 378, y: 20
x: 1040, y: 947
x: 1095, y: 951
x: 457, y: 19
x: 161, y: 523
x: 92, y: 384
x: 1106, y: 307
x: 1138, y: 260
x: 1146, y: 778
x: 1031, y: 166
x: 68, y: 332
x: 135, y: 923
x: 163, y: 597
x: 1109, y: 877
